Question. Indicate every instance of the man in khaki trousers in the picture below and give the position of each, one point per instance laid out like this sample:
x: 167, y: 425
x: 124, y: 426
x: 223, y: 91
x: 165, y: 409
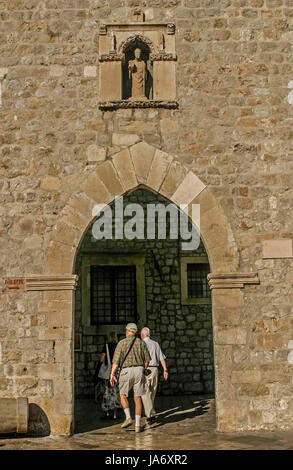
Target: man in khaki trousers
x: 157, y: 357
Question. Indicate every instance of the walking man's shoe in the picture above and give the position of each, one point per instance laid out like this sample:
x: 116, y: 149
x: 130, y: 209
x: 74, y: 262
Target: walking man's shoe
x: 138, y: 429
x: 151, y: 420
x: 127, y: 422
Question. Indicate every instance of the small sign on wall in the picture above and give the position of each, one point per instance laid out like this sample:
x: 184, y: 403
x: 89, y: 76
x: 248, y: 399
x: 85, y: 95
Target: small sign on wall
x: 14, y: 283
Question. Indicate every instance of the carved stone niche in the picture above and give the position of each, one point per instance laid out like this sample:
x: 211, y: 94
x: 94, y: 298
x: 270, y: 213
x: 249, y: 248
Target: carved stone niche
x: 137, y: 66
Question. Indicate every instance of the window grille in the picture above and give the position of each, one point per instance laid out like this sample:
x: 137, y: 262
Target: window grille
x: 113, y: 295
x: 197, y: 282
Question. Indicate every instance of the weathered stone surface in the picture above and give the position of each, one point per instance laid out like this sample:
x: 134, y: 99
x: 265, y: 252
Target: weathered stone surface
x: 158, y: 169
x: 269, y: 341
x: 34, y: 242
x: 95, y: 153
x: 51, y: 183
x: 231, y: 336
x: 253, y: 390
x: 56, y: 70
x: 124, y: 167
x: 173, y: 178
x: 90, y: 71
x: 277, y: 249
x: 125, y: 140
x: 110, y: 178
x: 232, y: 129
x: 95, y: 189
x: 190, y: 187
x: 245, y: 376
x: 142, y: 156
x: 110, y: 81
x: 169, y: 126
x: 60, y: 258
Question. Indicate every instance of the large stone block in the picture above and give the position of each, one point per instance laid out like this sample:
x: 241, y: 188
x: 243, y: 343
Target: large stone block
x: 226, y: 415
x: 235, y: 335
x: 164, y: 80
x: 125, y: 140
x: 124, y: 167
x: 108, y: 175
x: 275, y: 373
x: 95, y: 153
x: 60, y: 319
x: 63, y: 351
x: 228, y: 298
x: 142, y: 155
x: 277, y: 248
x: 223, y: 358
x: 65, y: 233
x: 50, y: 183
x: 226, y: 316
x: 110, y: 81
x: 49, y: 371
x: 206, y: 200
x: 53, y: 333
x: 241, y: 415
x: 190, y: 187
x: 60, y: 258
x: 34, y: 242
x: 245, y: 376
x: 77, y: 220
x: 174, y: 177
x: 82, y: 204
x: 269, y: 341
x: 253, y: 390
x: 96, y: 190
x: 158, y: 169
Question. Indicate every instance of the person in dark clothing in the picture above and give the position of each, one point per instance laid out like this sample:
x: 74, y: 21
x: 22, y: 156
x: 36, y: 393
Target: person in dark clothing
x: 108, y: 397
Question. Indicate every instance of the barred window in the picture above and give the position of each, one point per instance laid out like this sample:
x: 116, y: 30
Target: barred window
x: 113, y: 295
x: 197, y: 282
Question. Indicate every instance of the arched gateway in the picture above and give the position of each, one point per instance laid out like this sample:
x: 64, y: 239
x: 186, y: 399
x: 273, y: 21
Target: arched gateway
x: 139, y: 165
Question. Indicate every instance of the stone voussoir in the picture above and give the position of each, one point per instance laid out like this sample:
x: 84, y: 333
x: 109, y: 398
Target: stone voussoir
x: 142, y: 155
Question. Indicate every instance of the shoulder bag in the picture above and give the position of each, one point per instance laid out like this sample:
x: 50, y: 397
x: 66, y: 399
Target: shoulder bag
x: 104, y: 372
x: 120, y: 365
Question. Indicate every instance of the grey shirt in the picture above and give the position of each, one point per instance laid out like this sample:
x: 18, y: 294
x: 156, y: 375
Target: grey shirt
x: 155, y: 352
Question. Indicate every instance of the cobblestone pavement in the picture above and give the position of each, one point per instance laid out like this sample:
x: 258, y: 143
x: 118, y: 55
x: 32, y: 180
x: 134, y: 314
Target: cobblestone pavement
x: 183, y: 423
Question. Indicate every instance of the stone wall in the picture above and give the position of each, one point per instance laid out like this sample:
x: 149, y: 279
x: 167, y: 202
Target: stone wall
x: 233, y: 129
x: 184, y: 331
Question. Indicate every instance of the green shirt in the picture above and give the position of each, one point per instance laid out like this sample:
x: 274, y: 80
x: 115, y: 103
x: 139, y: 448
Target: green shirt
x: 138, y: 355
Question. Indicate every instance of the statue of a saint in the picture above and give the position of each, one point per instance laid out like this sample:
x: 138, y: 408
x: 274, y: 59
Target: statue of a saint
x: 137, y: 74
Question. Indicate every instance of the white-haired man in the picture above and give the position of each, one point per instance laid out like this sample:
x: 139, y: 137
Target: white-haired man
x: 157, y: 357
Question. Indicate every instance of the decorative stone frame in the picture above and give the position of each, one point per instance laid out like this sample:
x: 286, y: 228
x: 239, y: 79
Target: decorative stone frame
x: 185, y: 300
x: 114, y: 40
x: 141, y: 165
x: 111, y: 260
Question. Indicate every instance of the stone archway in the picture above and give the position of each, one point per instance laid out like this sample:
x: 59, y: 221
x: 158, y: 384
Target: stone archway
x: 139, y: 164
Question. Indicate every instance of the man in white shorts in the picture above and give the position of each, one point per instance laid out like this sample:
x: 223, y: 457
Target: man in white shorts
x: 132, y: 353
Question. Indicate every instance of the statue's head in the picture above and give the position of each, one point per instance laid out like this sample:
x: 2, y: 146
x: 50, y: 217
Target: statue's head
x: 137, y: 53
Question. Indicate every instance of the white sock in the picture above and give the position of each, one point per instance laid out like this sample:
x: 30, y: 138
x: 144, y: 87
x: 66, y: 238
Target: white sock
x: 137, y: 420
x: 127, y: 413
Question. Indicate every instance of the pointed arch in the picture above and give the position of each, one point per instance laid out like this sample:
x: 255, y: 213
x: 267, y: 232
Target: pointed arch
x: 136, y: 39
x: 141, y: 165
